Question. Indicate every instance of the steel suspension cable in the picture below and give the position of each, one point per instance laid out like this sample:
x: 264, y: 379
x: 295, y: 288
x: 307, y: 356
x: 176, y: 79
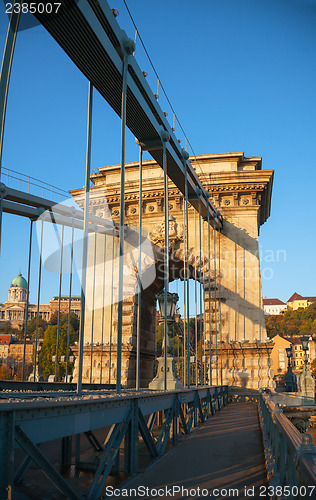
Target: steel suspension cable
x: 220, y: 300
x: 209, y: 291
x: 93, y: 298
x: 201, y: 305
x: 70, y: 292
x: 184, y: 296
x: 4, y: 85
x: 195, y: 302
x: 187, y: 262
x: 103, y: 298
x: 111, y: 313
x: 85, y: 238
x: 27, y: 298
x: 59, y: 299
x: 166, y: 258
x: 215, y: 307
x: 128, y: 51
x: 203, y: 295
x: 38, y: 301
x: 160, y: 84
x: 140, y: 222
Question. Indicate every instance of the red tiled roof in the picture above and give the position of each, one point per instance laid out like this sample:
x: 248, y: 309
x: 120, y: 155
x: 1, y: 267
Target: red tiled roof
x: 273, y: 302
x: 293, y: 340
x: 295, y: 296
x: 5, y: 338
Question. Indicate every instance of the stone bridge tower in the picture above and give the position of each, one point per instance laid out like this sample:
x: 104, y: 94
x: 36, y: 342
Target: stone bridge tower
x: 242, y: 192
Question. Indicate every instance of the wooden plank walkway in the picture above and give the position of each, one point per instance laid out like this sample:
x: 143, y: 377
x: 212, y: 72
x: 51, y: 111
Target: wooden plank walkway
x: 224, y: 453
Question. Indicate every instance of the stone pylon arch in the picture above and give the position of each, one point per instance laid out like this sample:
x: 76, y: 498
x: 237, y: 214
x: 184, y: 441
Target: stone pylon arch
x: 242, y: 192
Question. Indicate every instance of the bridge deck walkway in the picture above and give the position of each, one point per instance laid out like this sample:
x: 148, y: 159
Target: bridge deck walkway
x: 225, y: 452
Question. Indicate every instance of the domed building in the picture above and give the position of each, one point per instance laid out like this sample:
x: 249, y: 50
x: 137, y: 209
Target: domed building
x: 14, y: 309
x: 18, y: 289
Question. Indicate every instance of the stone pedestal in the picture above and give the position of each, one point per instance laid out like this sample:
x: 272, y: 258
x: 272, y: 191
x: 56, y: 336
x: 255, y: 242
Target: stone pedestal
x: 38, y: 377
x: 104, y: 365
x: 247, y: 365
x: 158, y: 383
x: 306, y: 384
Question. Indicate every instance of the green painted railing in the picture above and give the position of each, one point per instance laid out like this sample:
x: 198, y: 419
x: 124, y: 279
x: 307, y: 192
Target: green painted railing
x: 290, y: 456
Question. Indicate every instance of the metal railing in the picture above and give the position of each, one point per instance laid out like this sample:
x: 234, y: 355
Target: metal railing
x: 290, y: 456
x: 144, y: 422
x: 31, y: 185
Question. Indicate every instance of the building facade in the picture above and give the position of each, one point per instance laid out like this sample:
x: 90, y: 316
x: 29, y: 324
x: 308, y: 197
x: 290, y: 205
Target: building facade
x: 297, y: 301
x: 273, y: 306
x: 242, y: 192
x: 279, y: 356
x: 14, y: 310
x: 12, y: 349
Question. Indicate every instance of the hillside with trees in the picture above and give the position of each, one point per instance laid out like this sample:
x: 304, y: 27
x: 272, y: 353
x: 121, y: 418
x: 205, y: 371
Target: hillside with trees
x: 299, y: 322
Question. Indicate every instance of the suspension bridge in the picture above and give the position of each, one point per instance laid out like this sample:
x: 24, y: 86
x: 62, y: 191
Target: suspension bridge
x: 138, y: 228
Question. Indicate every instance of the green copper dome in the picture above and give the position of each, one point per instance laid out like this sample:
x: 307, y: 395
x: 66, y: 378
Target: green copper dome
x: 19, y: 281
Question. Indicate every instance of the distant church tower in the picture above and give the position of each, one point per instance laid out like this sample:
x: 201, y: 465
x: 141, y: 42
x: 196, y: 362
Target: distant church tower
x: 18, y: 289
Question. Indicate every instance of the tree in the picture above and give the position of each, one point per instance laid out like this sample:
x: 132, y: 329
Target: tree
x: 313, y: 367
x: 63, y: 320
x: 48, y: 349
x: 31, y: 327
x: 5, y: 372
x: 8, y: 329
x: 299, y: 322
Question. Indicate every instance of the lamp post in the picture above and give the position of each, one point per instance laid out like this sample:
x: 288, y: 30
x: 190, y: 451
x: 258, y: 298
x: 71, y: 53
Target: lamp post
x: 290, y: 378
x: 36, y: 375
x: 307, y: 382
x: 166, y: 361
x: 304, y: 341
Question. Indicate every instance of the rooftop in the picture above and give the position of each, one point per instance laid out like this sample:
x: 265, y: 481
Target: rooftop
x: 297, y: 296
x: 273, y: 302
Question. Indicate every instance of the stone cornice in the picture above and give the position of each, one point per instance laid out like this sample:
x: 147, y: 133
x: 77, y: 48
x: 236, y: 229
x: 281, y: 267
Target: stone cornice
x: 244, y: 187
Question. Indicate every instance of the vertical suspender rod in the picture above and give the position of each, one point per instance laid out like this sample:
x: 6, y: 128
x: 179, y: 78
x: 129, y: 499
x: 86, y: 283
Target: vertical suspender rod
x: 129, y: 48
x: 27, y: 299
x: 85, y: 239
x: 59, y: 299
x: 165, y: 137
x: 70, y: 291
x: 139, y: 268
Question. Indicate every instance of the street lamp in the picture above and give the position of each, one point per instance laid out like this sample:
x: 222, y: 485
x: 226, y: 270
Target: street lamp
x: 305, y: 341
x: 289, y: 355
x: 172, y: 299
x: 166, y: 362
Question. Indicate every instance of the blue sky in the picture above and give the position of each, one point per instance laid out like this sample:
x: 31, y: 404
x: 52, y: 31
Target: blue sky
x: 241, y: 76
